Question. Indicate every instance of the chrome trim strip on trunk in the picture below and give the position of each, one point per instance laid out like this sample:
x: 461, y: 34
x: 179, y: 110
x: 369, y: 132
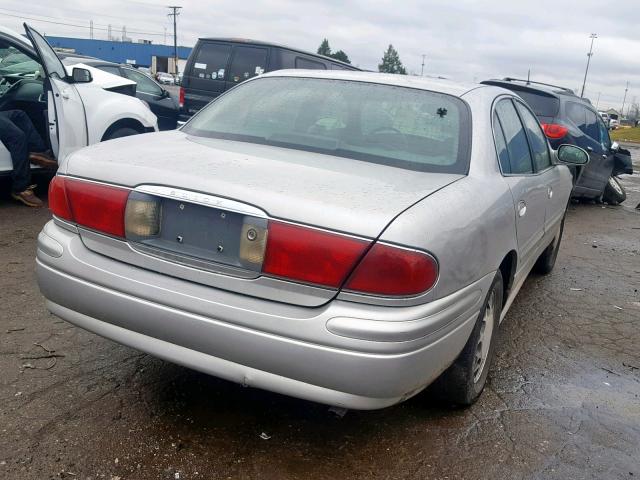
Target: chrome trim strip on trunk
x: 202, y: 199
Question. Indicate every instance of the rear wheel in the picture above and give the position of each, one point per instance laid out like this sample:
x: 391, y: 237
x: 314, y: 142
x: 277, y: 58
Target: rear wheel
x: 547, y: 259
x: 614, y: 193
x: 463, y: 382
x: 122, y: 132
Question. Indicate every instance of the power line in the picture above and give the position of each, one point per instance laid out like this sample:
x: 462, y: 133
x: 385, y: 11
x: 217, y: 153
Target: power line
x: 68, y: 18
x: 75, y: 25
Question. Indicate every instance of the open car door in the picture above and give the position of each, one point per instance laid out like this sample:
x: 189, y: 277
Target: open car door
x: 67, y: 121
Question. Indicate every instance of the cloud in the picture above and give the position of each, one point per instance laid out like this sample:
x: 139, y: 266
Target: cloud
x: 465, y: 40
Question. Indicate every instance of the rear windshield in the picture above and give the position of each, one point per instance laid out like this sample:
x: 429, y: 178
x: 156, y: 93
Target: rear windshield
x: 397, y: 126
x: 542, y: 105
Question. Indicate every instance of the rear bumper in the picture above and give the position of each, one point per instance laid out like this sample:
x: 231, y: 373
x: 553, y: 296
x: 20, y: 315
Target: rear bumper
x: 339, y: 354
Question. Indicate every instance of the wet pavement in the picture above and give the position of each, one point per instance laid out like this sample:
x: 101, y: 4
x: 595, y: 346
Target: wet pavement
x: 562, y: 401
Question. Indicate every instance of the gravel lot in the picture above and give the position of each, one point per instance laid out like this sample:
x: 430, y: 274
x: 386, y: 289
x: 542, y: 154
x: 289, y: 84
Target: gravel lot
x: 562, y: 402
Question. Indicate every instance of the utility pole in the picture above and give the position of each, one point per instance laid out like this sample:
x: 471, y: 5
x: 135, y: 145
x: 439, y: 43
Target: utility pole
x: 422, y: 71
x: 624, y: 99
x: 593, y: 36
x: 598, y: 101
x: 109, y: 32
x: 175, y: 11
x: 91, y: 29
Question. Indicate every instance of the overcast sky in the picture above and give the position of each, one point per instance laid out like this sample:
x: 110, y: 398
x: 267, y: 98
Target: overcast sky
x: 463, y: 40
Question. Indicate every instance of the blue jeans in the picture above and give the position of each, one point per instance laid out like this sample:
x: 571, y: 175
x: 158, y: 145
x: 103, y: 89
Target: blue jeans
x: 18, y: 134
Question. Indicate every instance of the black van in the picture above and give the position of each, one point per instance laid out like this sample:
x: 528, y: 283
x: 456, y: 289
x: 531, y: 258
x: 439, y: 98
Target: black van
x: 217, y: 64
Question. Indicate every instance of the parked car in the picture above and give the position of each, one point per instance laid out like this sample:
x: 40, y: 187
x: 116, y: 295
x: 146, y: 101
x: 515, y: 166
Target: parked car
x: 217, y: 64
x: 343, y: 237
x: 614, y: 123
x: 72, y: 108
x: 165, y: 78
x: 567, y: 118
x: 160, y: 101
x: 605, y: 118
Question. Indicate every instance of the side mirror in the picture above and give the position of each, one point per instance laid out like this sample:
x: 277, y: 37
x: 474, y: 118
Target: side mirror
x: 615, y: 146
x: 81, y: 75
x: 165, y: 94
x: 572, y: 155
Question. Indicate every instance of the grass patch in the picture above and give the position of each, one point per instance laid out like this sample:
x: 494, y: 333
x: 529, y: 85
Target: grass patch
x: 626, y: 135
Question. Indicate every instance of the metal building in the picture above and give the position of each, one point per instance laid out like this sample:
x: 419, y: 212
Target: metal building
x: 158, y: 58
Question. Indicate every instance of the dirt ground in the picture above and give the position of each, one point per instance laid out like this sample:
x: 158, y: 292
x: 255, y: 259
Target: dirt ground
x: 562, y: 402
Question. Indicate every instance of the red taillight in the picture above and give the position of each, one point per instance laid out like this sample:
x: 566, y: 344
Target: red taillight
x: 554, y: 131
x: 389, y: 270
x: 310, y: 255
x: 181, y: 100
x: 92, y: 205
x: 58, y: 203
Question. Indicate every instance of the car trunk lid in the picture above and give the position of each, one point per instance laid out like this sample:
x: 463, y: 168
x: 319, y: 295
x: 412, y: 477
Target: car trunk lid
x: 215, y: 190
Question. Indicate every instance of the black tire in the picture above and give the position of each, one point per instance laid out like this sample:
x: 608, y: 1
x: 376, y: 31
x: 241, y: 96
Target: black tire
x: 121, y: 132
x: 614, y: 193
x: 462, y: 383
x: 547, y: 259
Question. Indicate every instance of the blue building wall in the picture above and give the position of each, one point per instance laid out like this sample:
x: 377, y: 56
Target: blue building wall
x: 118, y: 52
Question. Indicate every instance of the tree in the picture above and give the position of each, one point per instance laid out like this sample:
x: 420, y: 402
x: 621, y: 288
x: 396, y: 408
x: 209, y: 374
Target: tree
x: 391, y: 62
x: 340, y: 55
x: 324, y: 48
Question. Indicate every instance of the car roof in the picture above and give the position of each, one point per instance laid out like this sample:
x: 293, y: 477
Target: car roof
x: 532, y: 86
x: 277, y: 45
x: 424, y: 83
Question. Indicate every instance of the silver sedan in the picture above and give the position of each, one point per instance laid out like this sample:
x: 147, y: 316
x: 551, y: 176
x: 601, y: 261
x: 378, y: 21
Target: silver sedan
x: 343, y: 237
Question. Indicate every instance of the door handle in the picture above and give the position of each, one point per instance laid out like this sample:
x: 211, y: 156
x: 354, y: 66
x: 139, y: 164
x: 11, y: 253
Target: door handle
x: 550, y: 192
x: 604, y: 156
x: 522, y: 208
x: 589, y: 149
x: 65, y: 94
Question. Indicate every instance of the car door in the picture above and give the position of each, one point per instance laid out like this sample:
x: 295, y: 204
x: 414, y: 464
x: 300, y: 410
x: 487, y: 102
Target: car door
x: 205, y: 76
x: 516, y: 163
x: 67, y: 121
x: 596, y: 174
x: 557, y: 186
x: 247, y: 61
x: 160, y: 102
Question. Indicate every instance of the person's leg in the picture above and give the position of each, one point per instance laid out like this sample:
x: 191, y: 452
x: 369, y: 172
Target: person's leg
x: 38, y: 153
x: 23, y: 122
x: 15, y: 141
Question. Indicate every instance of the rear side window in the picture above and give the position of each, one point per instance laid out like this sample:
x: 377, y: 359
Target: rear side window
x: 144, y: 83
x: 501, y: 145
x: 537, y: 140
x: 541, y: 104
x: 211, y: 61
x: 110, y: 69
x: 585, y: 119
x: 247, y: 62
x: 305, y: 63
x: 517, y: 146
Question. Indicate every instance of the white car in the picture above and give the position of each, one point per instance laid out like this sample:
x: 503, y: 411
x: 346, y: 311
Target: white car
x: 166, y: 78
x: 74, y: 108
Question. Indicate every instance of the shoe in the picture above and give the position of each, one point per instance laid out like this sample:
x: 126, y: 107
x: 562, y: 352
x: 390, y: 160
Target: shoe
x: 28, y: 197
x: 43, y: 159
